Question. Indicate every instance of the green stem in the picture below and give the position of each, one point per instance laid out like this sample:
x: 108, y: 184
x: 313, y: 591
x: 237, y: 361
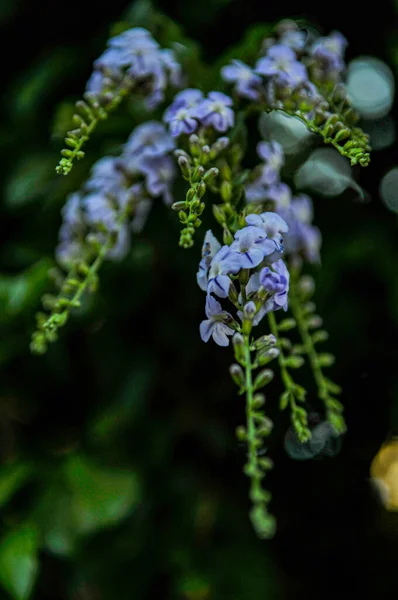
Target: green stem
x: 293, y: 391
x: 333, y: 410
x: 251, y: 430
x: 286, y: 378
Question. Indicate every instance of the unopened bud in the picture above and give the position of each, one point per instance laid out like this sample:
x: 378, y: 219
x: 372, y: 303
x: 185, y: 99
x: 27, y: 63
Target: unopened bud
x: 265, y: 341
x: 263, y: 378
x: 249, y: 310
x: 184, y: 166
x: 237, y: 375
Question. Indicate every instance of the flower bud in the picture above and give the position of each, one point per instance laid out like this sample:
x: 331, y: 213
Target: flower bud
x: 184, y: 166
x: 237, y: 375
x: 258, y: 401
x: 265, y: 341
x: 201, y: 189
x: 194, y: 145
x: 210, y: 175
x: 265, y: 356
x: 233, y: 293
x: 238, y: 344
x: 249, y: 310
x: 263, y: 378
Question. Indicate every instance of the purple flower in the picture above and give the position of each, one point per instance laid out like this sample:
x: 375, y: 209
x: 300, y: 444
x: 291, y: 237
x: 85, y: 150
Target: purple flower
x: 303, y: 237
x: 224, y: 263
x: 160, y: 173
x: 209, y: 249
x: 252, y: 245
x: 180, y: 115
x: 141, y: 212
x: 328, y: 53
x: 272, y: 225
x: 256, y: 191
x: 276, y: 281
x: 122, y: 245
x: 272, y: 155
x: 135, y: 54
x: 281, y: 62
x: 149, y: 139
x: 335, y: 42
x: 215, y: 111
x: 100, y: 210
x: 281, y: 194
x: 294, y: 38
x: 216, y: 323
x: 247, y: 83
x: 106, y: 176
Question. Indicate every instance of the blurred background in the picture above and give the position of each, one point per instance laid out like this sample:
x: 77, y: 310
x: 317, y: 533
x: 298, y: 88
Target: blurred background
x: 120, y: 473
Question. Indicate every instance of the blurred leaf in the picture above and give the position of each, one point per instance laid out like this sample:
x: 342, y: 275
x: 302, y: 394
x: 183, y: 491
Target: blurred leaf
x: 12, y: 477
x: 29, y: 180
x: 19, y: 562
x: 55, y: 515
x: 44, y: 76
x: 115, y: 417
x: 20, y: 293
x: 101, y: 497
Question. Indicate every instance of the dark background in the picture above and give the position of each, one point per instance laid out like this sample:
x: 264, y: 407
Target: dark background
x: 132, y: 389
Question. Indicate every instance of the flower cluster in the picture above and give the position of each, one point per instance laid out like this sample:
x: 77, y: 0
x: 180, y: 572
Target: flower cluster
x: 298, y: 74
x: 134, y: 58
x: 304, y: 238
x: 133, y: 62
x: 190, y: 110
x: 118, y: 189
x: 252, y: 258
x: 197, y: 121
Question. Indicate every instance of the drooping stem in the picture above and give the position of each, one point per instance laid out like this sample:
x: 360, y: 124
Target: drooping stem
x: 293, y: 391
x: 325, y: 387
x: 256, y: 427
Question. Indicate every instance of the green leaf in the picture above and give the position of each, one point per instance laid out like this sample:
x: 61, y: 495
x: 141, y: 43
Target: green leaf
x: 12, y: 477
x: 29, y: 180
x: 19, y: 562
x: 101, y: 497
x: 20, y: 293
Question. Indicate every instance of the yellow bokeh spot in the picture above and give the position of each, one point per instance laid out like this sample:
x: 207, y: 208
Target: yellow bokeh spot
x: 384, y: 474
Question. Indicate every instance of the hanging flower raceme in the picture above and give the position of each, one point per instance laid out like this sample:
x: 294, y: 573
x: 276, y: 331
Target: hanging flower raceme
x: 255, y: 273
x: 298, y: 74
x: 197, y: 122
x: 98, y: 220
x: 132, y: 63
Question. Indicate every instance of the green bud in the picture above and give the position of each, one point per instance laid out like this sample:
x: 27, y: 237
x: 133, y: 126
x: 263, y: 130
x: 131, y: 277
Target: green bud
x: 294, y: 362
x: 284, y: 400
x: 201, y: 189
x: 265, y: 463
x: 241, y: 433
x: 238, y: 344
x: 263, y: 357
x: 286, y: 324
x: 314, y: 322
x: 263, y: 378
x: 237, y: 375
x: 210, y: 175
x: 320, y: 336
x: 219, y: 214
x: 226, y: 191
x: 227, y: 237
x: 197, y: 174
x: 194, y: 145
x: 185, y: 167
x: 325, y: 360
x: 190, y: 194
x: 233, y: 293
x: 178, y: 205
x: 258, y: 401
x: 265, y: 341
